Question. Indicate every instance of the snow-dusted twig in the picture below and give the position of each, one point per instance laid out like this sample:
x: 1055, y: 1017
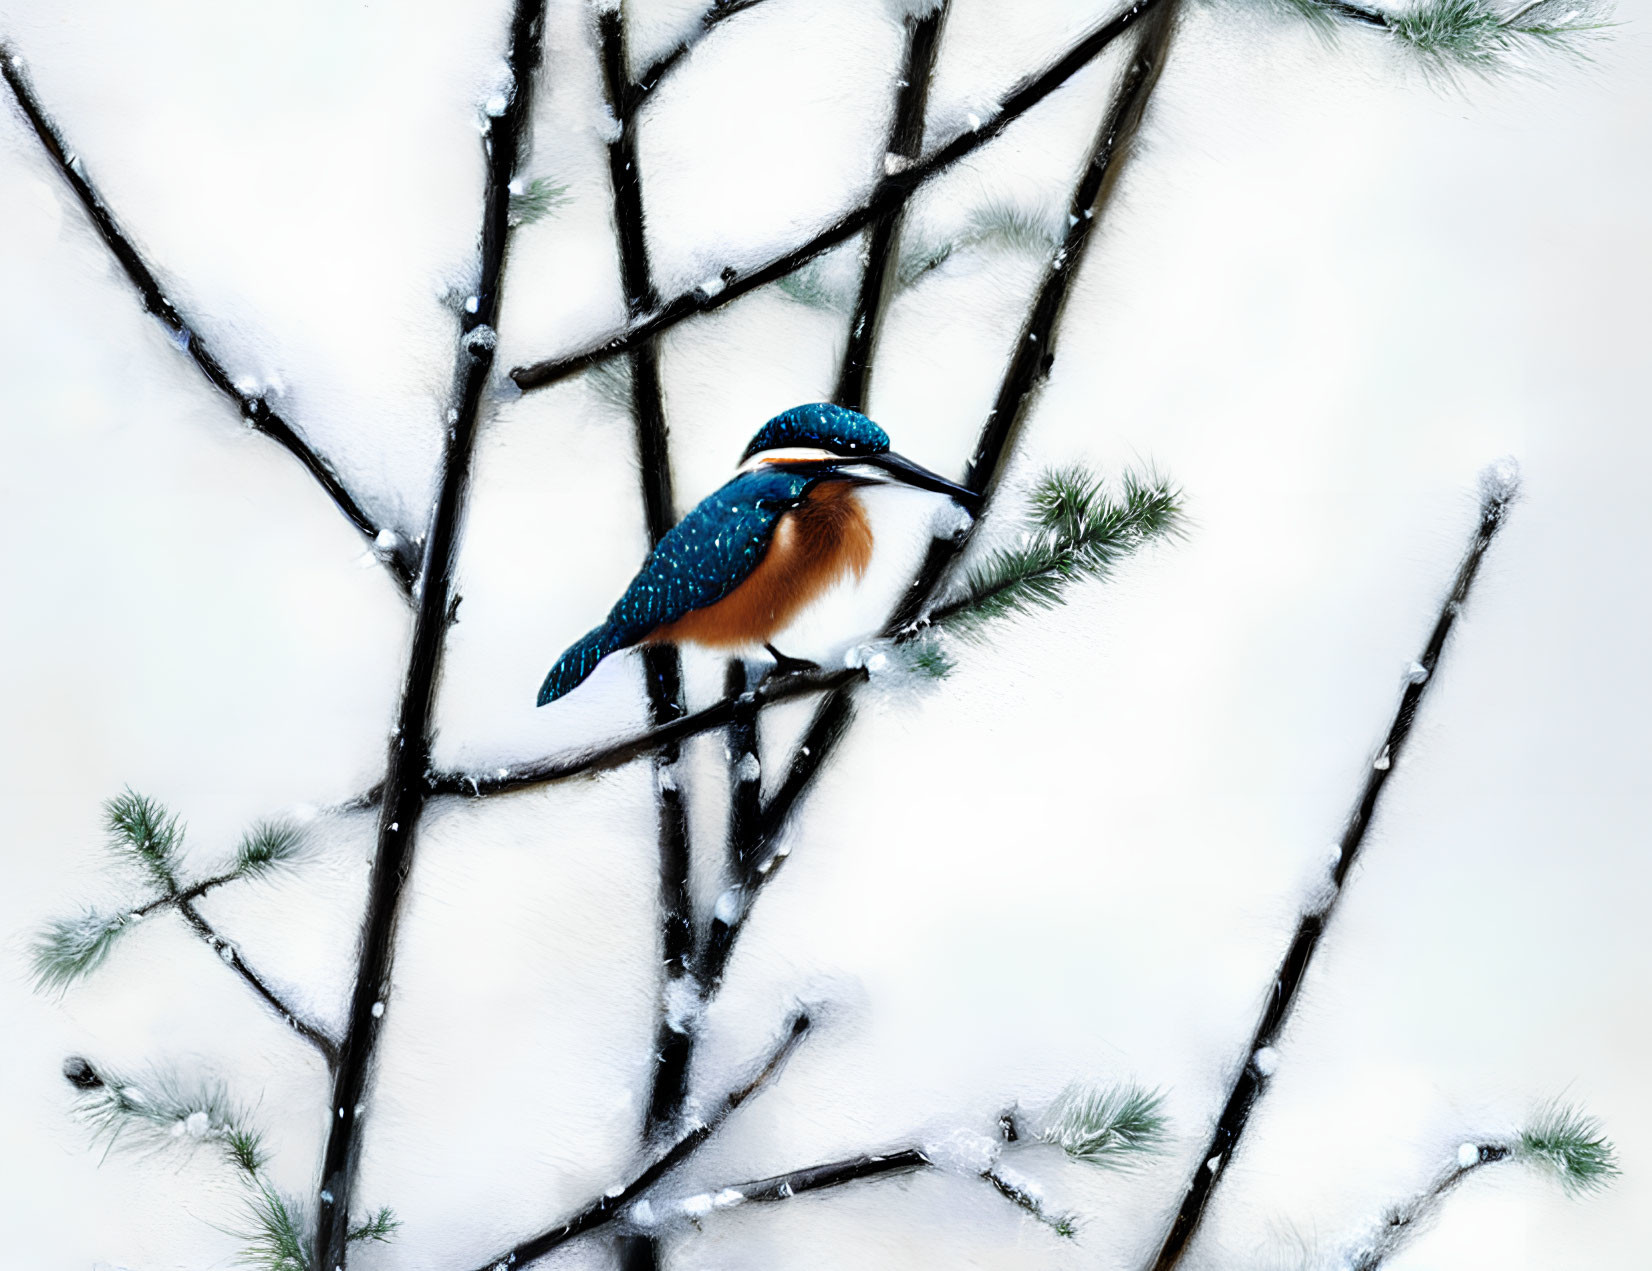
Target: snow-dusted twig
x: 662, y: 665
x: 232, y: 958
x: 891, y: 193
x: 1030, y: 361
x: 1475, y: 35
x: 616, y: 1200
x: 483, y: 783
x: 406, y: 784
x: 906, y: 138
x: 255, y: 408
x: 1261, y: 1057
x: 652, y: 75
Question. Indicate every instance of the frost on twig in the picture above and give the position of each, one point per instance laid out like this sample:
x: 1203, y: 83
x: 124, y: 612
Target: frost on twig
x: 1561, y: 1140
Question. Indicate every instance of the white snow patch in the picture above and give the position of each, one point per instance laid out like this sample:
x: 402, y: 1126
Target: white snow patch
x: 751, y: 769
x: 481, y: 337
x: 378, y: 1010
x: 1468, y: 1154
x: 496, y: 105
x: 893, y: 163
x: 1382, y: 762
x: 711, y: 286
x: 1416, y: 673
x: 697, y: 1206
x: 1266, y: 1060
x: 472, y: 303
x: 727, y: 908
x: 642, y: 1213
x: 665, y: 779
x: 1501, y: 480
x: 728, y: 1198
x: 682, y: 1003
x: 386, y: 540
x: 964, y: 1152
x: 1023, y: 1183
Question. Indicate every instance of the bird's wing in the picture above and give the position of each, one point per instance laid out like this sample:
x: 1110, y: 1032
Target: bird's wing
x: 707, y: 554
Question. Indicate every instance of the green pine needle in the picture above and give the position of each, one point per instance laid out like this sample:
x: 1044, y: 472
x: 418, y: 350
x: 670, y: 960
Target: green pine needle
x: 1000, y: 226
x: 382, y: 1227
x: 266, y: 846
x: 67, y: 949
x: 538, y: 199
x: 277, y: 1241
x: 810, y: 285
x: 141, y: 830
x: 929, y: 659
x: 1472, y: 35
x: 1111, y: 1128
x: 245, y: 1149
x: 1572, y: 1145
x: 158, y: 1111
x: 1078, y: 532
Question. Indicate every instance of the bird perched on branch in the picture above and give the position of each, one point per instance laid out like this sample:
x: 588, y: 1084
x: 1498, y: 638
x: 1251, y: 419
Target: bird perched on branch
x: 739, y: 567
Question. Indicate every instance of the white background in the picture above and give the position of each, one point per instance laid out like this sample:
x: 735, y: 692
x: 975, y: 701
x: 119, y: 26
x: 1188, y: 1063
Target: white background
x: 1330, y: 290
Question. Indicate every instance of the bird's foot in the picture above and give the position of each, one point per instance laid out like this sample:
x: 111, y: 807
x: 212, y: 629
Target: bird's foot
x: 784, y: 665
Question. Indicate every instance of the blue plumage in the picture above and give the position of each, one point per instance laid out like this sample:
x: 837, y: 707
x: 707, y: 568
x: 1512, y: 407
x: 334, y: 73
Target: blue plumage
x: 706, y: 555
x: 820, y: 426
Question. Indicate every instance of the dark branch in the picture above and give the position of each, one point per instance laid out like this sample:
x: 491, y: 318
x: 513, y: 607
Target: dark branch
x: 1407, y: 1218
x: 906, y: 138
x: 1030, y: 362
x: 890, y: 194
x: 605, y: 1208
x: 235, y: 962
x: 406, y: 778
x: 815, y: 1178
x: 254, y: 408
x: 651, y: 77
x: 614, y: 754
x: 1250, y: 1082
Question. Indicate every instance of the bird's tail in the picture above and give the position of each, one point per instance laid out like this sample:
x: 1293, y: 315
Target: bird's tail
x: 577, y: 663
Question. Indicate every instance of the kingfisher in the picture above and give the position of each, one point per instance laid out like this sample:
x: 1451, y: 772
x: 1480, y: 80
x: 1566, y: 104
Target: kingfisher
x: 751, y: 555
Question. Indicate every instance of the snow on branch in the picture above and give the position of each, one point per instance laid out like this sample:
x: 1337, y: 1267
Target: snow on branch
x: 656, y: 71
x: 614, y: 1202
x: 396, y: 553
x: 891, y: 193
x: 1499, y: 487
x: 1093, y: 1126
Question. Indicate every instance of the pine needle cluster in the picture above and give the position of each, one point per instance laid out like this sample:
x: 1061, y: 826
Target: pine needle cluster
x: 536, y: 200
x: 142, y: 833
x: 1113, y: 1128
x: 1474, y: 35
x: 1571, y: 1145
x: 992, y: 226
x: 1078, y: 532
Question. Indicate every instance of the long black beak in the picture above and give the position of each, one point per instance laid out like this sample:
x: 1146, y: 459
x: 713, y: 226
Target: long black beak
x: 903, y: 469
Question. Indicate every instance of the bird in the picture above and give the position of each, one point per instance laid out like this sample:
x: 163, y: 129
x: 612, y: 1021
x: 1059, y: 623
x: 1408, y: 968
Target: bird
x: 752, y: 554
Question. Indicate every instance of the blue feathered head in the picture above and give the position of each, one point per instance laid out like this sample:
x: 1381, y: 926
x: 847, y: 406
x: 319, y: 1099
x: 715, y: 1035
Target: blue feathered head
x: 820, y: 426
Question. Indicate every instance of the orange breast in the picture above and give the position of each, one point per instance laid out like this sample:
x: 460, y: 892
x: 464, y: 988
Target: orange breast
x: 817, y: 543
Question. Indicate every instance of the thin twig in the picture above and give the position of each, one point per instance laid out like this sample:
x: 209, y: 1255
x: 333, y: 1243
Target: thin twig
x: 234, y: 961
x: 504, y: 780
x: 406, y: 784
x: 651, y: 77
x: 1251, y: 1080
x: 891, y: 193
x: 605, y: 1208
x: 1405, y: 1219
x: 906, y: 138
x: 1030, y: 362
x: 254, y: 407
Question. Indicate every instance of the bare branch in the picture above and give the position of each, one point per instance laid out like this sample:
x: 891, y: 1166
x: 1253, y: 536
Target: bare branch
x: 607, y: 1207
x: 655, y: 72
x: 254, y: 408
x: 890, y: 194
x: 235, y: 962
x: 1250, y: 1082
x: 406, y: 779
